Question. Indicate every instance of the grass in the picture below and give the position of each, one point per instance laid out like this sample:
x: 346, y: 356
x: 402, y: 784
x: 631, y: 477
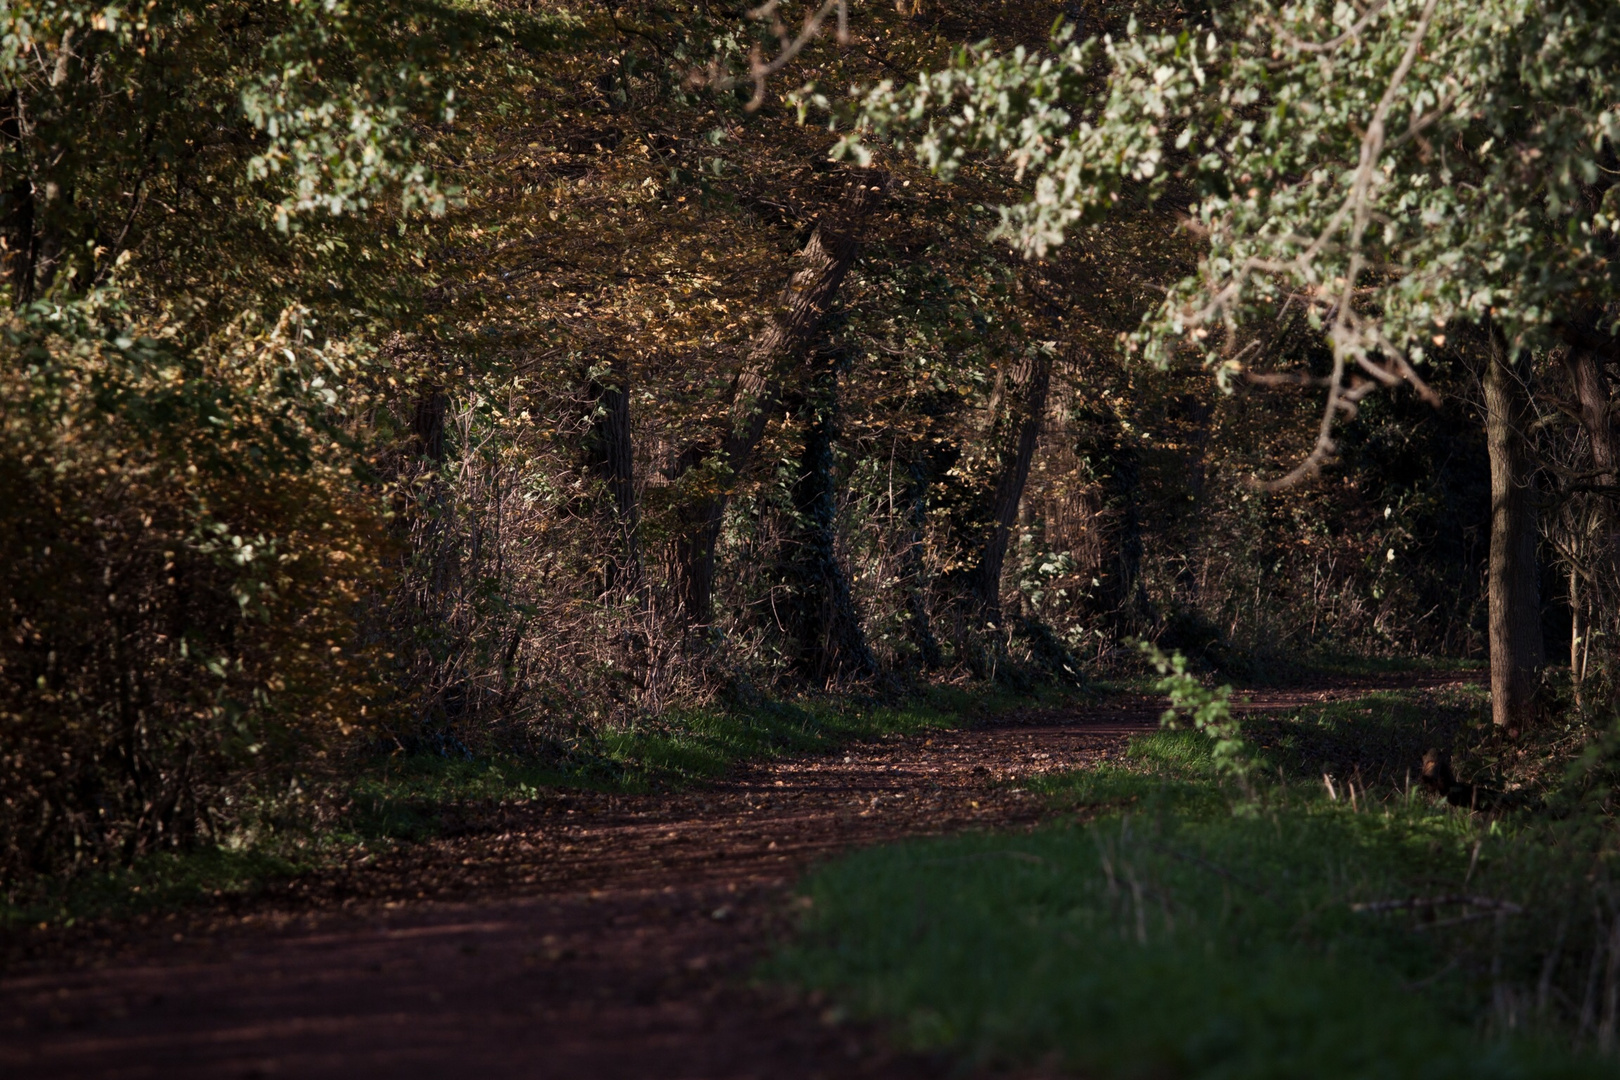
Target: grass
x: 403, y: 797
x: 1175, y: 927
x: 154, y: 884
x: 409, y: 798
x: 1325, y: 662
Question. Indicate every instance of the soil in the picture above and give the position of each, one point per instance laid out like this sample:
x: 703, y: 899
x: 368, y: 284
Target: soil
x: 584, y: 935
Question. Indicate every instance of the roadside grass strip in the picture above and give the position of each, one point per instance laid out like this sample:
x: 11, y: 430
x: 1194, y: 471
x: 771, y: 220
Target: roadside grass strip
x: 1175, y: 926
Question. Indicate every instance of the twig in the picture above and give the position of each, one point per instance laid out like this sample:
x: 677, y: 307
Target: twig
x: 1485, y: 902
x: 1021, y: 856
x: 1427, y: 979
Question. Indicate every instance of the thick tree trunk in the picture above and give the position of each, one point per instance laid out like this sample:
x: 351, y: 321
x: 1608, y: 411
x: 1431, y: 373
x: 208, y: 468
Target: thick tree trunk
x: 1030, y: 383
x: 427, y: 423
x: 1517, y: 649
x: 800, y: 313
x: 1592, y: 399
x: 829, y: 629
x: 613, y: 460
x: 1123, y: 588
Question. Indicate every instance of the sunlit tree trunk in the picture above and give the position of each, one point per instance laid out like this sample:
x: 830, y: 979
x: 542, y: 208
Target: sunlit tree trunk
x: 1517, y: 649
x: 1031, y: 380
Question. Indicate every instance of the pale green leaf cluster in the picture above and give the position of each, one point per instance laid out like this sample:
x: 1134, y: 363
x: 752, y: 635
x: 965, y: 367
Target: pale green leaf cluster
x: 1208, y: 709
x: 335, y: 106
x: 1386, y: 170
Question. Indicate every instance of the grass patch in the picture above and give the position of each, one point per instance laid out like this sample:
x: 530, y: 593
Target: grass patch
x: 157, y: 883
x: 1331, y: 663
x: 1175, y: 930
x: 405, y: 797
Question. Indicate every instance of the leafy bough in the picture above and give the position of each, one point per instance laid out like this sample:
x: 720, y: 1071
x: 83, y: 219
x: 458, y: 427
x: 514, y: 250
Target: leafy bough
x: 1207, y: 709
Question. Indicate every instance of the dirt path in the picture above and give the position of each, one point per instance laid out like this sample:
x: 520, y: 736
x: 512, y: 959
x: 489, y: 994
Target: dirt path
x: 593, y: 936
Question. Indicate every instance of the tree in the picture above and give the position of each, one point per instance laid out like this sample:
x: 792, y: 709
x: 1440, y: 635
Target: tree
x: 190, y: 290
x: 1392, y: 171
x: 801, y: 310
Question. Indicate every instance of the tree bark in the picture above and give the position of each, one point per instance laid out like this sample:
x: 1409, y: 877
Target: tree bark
x: 919, y: 620
x: 613, y: 461
x: 427, y: 423
x: 803, y: 307
x: 1513, y: 579
x: 17, y: 226
x: 1586, y: 375
x: 1124, y: 591
x: 832, y: 640
x: 1030, y: 383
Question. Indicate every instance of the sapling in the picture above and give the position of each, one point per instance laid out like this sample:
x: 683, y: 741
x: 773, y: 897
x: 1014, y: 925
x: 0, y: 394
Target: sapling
x: 1209, y: 709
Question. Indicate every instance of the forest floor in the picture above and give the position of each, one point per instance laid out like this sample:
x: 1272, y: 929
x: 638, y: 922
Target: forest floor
x: 581, y: 935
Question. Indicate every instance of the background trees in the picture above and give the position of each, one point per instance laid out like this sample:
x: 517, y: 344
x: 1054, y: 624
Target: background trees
x: 1387, y: 174
x: 516, y: 353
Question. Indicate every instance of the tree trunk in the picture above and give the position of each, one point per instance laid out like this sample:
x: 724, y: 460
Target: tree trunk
x: 17, y: 227
x: 1031, y: 381
x: 832, y: 641
x: 918, y: 620
x: 613, y: 461
x: 427, y: 423
x: 1592, y: 400
x: 1124, y: 591
x: 802, y: 309
x: 1517, y: 649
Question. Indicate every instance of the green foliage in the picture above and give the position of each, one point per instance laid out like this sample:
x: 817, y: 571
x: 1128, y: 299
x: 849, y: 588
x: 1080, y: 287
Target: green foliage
x: 1208, y: 709
x: 185, y: 546
x: 156, y: 884
x: 1313, y: 937
x: 188, y: 538
x: 1472, y: 135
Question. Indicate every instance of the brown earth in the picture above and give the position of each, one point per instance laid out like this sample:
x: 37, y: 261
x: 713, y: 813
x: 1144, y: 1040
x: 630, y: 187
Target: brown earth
x: 587, y: 935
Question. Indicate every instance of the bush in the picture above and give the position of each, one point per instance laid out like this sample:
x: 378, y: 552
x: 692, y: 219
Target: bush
x: 181, y: 559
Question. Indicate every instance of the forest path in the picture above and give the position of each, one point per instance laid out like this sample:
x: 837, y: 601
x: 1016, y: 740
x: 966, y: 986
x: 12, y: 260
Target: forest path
x: 588, y: 936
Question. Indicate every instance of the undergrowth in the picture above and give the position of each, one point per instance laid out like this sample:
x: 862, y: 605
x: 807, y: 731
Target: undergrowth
x: 1183, y: 922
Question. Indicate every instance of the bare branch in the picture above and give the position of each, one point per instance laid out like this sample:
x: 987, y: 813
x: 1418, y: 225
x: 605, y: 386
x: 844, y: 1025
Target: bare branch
x: 1347, y: 335
x: 1485, y: 903
x: 789, y: 46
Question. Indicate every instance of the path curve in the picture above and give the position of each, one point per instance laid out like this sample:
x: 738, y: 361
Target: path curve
x: 594, y: 936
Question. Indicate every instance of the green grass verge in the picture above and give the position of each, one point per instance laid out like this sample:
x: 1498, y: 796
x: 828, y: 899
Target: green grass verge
x: 1176, y: 929
x: 153, y: 884
x: 404, y: 797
